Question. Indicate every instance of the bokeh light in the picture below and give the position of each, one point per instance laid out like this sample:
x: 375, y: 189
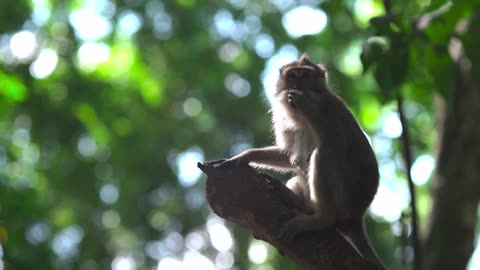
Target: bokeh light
x: 286, y: 54
x: 65, y: 243
x: 304, y: 20
x: 186, y: 163
x: 422, y: 169
x: 257, y: 252
x: 45, y: 64
x: 220, y: 236
x: 23, y: 45
x: 123, y: 262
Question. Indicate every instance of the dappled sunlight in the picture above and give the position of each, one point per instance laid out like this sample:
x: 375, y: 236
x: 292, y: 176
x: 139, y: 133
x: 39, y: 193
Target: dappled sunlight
x: 109, y: 194
x: 91, y: 54
x: 163, y: 25
x: 257, y: 252
x: 41, y: 11
x: 86, y: 146
x: 110, y: 219
x: 237, y: 85
x: 123, y: 262
x: 270, y: 74
x: 304, y: 20
x: 389, y: 201
x: 422, y: 169
x: 21, y: 137
x: 391, y: 126
x: 364, y: 10
x: 23, y: 45
x: 264, y: 45
x: 106, y: 107
x: 195, y: 198
x: 45, y: 64
x: 224, y: 260
x: 88, y: 21
x: 129, y: 22
x: 229, y: 51
x: 350, y: 64
x: 220, y: 236
x: 192, y: 107
x: 474, y: 262
x: 38, y: 233
x: 195, y: 241
x: 185, y: 162
x: 65, y: 243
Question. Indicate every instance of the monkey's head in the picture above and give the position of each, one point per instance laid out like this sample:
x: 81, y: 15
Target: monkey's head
x: 302, y: 75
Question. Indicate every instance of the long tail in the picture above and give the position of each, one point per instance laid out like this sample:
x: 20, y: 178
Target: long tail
x: 355, y: 233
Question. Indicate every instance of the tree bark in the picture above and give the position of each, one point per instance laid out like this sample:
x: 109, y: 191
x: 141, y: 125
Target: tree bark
x: 449, y: 239
x: 262, y: 205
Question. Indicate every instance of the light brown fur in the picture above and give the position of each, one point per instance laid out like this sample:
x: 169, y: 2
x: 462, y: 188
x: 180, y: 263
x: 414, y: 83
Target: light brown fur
x: 318, y: 138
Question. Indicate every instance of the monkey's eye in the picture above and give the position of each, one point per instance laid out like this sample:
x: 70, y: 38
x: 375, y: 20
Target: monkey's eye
x: 291, y: 75
x: 304, y: 74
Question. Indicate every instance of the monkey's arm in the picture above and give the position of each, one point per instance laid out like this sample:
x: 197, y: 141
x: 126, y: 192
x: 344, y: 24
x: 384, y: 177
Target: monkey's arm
x: 269, y: 157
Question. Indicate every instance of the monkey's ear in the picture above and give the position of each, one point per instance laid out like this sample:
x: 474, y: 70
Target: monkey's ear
x: 323, y: 68
x: 304, y: 58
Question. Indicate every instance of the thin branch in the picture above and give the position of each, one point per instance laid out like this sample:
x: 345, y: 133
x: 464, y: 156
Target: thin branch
x: 407, y: 153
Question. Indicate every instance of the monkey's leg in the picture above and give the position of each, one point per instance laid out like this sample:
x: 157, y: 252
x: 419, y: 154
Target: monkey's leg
x: 270, y: 157
x: 299, y: 186
x: 324, y: 207
x: 293, y: 197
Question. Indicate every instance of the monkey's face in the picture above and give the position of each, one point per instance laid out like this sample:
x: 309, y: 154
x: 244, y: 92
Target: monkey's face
x: 301, y: 75
x: 302, y: 78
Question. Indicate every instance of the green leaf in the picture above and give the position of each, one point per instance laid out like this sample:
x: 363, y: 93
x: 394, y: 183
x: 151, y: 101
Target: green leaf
x: 391, y: 70
x: 372, y: 51
x: 441, y: 69
x: 12, y: 88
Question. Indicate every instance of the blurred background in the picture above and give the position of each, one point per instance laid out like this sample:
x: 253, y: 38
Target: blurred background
x: 106, y: 106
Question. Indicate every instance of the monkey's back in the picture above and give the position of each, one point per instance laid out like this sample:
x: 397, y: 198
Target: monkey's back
x: 361, y: 164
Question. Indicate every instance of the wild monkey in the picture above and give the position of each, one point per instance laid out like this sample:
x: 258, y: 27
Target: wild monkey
x: 319, y: 139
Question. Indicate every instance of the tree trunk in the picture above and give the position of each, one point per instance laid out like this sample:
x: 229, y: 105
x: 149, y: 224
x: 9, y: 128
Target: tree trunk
x: 449, y: 239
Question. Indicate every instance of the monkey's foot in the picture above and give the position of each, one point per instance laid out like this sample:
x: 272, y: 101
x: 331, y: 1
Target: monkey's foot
x: 301, y: 224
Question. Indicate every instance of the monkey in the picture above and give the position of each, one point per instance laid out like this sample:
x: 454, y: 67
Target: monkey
x: 318, y: 138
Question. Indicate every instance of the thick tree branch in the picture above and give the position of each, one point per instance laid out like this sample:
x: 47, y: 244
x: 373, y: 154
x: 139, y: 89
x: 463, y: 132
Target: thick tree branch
x: 262, y: 205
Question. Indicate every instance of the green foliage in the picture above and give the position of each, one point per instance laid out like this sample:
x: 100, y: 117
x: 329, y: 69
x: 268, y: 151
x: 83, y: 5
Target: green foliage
x: 98, y: 141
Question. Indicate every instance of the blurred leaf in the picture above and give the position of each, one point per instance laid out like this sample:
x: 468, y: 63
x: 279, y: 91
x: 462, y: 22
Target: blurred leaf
x: 471, y: 41
x: 372, y: 51
x: 12, y: 88
x: 88, y: 116
x: 391, y: 69
x: 384, y: 25
x: 441, y: 68
x: 13, y: 16
x: 3, y: 235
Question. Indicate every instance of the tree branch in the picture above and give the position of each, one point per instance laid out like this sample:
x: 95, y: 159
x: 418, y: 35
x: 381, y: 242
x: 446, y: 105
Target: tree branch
x: 262, y: 205
x: 407, y: 155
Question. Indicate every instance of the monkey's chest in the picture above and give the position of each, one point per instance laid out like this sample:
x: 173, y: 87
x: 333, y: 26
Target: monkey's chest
x: 301, y: 149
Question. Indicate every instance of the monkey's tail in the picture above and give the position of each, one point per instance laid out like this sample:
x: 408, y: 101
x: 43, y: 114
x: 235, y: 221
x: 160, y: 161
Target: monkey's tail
x: 355, y: 233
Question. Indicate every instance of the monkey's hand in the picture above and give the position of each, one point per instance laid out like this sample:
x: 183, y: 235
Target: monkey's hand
x: 236, y: 161
x: 301, y: 100
x: 295, y: 97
